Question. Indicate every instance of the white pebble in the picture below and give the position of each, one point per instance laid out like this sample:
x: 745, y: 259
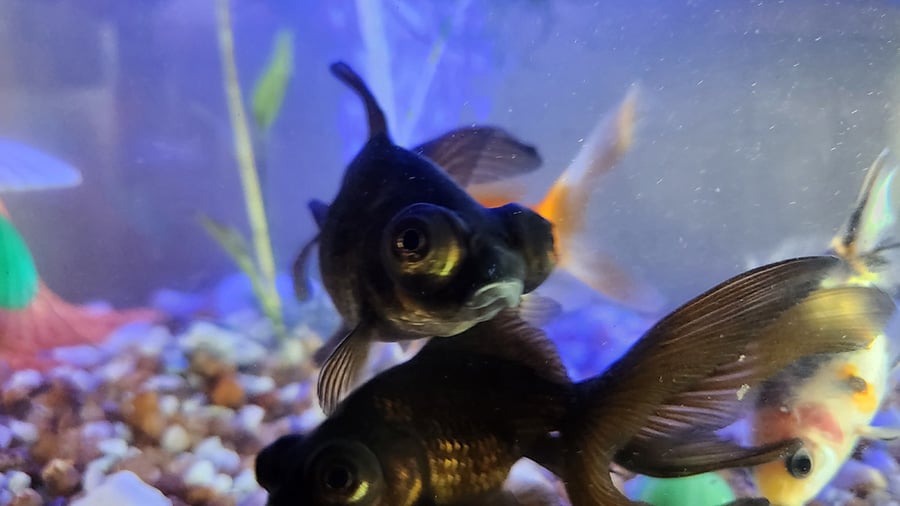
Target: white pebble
x: 222, y: 483
x: 83, y: 380
x: 122, y: 431
x: 25, y: 380
x: 255, y: 385
x: 290, y: 393
x: 250, y: 417
x: 23, y: 431
x: 113, y: 447
x: 192, y: 405
x: 83, y: 356
x: 6, y: 497
x: 123, y: 489
x: 97, y: 430
x: 201, y: 473
x: 222, y: 458
x: 307, y: 421
x: 168, y: 405
x: 117, y: 369
x: 245, y: 483
x: 165, y: 383
x: 6, y: 436
x: 175, y: 439
x: 95, y: 472
x: 17, y: 481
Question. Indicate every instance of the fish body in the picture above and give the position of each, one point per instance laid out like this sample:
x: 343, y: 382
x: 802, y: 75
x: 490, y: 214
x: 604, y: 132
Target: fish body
x: 445, y: 427
x: 830, y: 403
x: 406, y: 253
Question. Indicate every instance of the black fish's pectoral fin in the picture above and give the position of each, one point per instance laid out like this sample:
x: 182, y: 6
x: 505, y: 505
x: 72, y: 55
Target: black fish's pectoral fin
x: 342, y: 368
x: 714, y: 329
x: 481, y: 154
x: 692, y: 455
x: 319, y: 211
x: 299, y: 270
x: 539, y: 310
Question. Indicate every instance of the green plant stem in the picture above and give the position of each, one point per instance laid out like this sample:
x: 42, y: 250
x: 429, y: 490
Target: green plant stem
x: 243, y: 148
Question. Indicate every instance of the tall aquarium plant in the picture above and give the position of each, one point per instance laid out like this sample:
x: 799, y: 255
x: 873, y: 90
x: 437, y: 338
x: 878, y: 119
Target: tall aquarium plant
x: 259, y: 263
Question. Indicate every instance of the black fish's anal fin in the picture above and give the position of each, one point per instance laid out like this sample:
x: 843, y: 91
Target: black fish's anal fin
x: 342, y: 368
x: 480, y: 154
x: 377, y: 121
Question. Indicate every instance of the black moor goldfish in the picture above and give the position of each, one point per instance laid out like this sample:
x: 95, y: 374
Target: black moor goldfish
x: 445, y: 427
x: 405, y: 252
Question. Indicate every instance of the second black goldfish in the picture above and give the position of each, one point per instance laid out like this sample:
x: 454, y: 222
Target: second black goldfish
x: 445, y: 427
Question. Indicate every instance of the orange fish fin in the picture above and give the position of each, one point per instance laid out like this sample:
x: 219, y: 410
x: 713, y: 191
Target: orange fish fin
x: 603, y: 274
x: 342, y: 368
x: 480, y: 154
x: 566, y: 202
x: 499, y: 193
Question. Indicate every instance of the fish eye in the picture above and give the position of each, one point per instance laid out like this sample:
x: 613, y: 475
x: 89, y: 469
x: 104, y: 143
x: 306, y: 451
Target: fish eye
x: 800, y: 464
x: 345, y: 472
x: 411, y: 242
x: 424, y: 246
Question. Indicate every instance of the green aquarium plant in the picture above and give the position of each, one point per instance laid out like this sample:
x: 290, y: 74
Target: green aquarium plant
x: 267, y: 100
x: 709, y: 489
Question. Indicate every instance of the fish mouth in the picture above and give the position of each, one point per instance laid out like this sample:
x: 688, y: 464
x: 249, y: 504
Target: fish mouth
x: 490, y: 299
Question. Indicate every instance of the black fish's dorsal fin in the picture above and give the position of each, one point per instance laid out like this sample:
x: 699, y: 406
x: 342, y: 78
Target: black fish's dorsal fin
x: 509, y: 337
x: 377, y: 122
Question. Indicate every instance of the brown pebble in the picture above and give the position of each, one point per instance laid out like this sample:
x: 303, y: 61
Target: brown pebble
x: 143, y: 465
x: 209, y: 366
x: 199, y: 495
x: 27, y: 497
x: 142, y: 413
x: 228, y: 392
x: 61, y: 477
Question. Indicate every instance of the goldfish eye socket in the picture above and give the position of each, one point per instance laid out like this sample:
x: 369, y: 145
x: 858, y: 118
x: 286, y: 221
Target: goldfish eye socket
x: 424, y: 245
x: 800, y: 464
x: 345, y: 472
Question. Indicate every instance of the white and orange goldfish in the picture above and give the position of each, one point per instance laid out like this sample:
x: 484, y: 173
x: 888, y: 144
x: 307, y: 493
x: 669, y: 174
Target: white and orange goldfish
x: 566, y: 202
x: 830, y: 402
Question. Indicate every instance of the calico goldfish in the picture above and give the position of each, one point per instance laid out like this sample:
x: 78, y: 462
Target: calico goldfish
x: 566, y: 202
x: 406, y: 253
x: 446, y: 426
x: 830, y: 403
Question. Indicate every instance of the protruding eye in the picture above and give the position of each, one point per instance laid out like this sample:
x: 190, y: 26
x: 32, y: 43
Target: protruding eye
x: 345, y: 472
x: 799, y: 464
x: 411, y: 241
x: 425, y: 245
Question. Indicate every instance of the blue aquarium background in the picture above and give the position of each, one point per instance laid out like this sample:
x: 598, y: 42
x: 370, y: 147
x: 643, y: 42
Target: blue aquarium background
x: 755, y: 123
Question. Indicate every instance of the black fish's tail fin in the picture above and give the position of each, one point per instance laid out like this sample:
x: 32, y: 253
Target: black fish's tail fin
x: 687, y: 372
x: 377, y: 122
